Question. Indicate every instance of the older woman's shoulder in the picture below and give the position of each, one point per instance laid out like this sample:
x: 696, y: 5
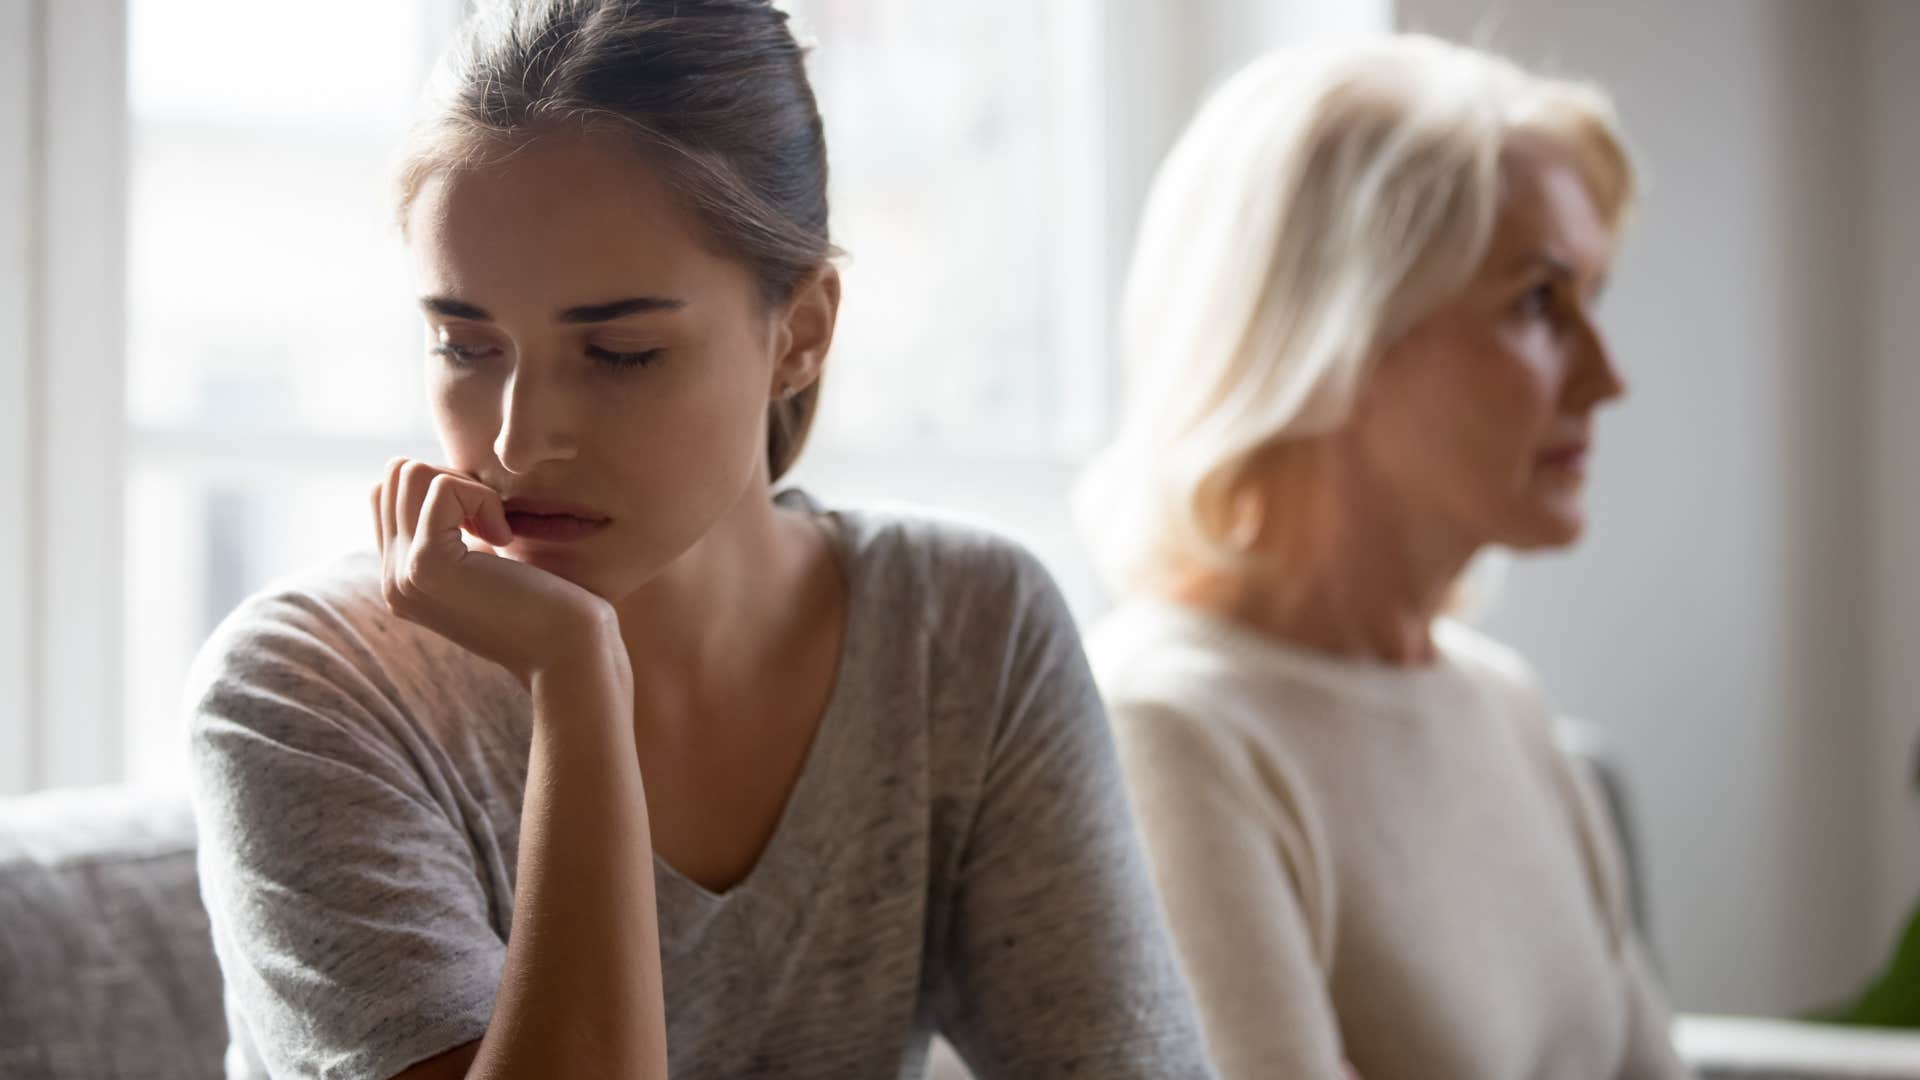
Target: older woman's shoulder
x: 1530, y: 712
x: 1485, y: 658
x: 1146, y: 651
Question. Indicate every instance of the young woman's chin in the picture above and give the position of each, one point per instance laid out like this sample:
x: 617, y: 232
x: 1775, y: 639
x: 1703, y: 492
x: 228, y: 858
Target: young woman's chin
x: 590, y: 570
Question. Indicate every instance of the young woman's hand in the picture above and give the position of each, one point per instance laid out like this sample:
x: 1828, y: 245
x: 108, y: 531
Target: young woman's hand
x: 524, y: 619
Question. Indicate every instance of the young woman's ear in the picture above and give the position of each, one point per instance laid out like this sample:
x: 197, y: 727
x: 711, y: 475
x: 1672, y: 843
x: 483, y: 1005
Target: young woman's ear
x: 807, y: 331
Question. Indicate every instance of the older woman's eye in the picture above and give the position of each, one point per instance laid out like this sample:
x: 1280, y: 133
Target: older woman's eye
x: 616, y: 358
x: 1536, y: 301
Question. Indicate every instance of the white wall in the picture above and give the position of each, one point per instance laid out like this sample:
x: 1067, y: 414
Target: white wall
x: 1717, y: 620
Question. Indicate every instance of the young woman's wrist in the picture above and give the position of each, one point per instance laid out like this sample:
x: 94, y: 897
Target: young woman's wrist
x: 582, y: 635
x: 587, y: 667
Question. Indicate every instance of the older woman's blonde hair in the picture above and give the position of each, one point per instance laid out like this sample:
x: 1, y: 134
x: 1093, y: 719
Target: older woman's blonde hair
x: 1324, y: 200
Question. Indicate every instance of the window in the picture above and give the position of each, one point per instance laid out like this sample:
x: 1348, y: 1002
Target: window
x: 969, y: 371
x: 273, y: 356
x: 956, y: 133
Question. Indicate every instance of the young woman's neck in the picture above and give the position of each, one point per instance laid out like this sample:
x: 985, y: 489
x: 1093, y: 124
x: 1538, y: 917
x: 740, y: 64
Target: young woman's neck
x: 720, y: 618
x: 1359, y: 577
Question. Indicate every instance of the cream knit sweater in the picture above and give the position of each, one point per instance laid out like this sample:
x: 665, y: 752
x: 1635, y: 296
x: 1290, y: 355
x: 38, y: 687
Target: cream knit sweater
x: 1388, y: 865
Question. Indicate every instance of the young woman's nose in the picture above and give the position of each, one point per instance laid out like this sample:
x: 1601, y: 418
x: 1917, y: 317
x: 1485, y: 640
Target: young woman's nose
x: 536, y: 422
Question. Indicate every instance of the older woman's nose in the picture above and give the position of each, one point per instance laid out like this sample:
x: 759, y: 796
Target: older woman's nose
x: 1596, y: 379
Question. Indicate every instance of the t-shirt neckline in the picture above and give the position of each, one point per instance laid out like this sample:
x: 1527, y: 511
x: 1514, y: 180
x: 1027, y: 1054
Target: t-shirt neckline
x: 689, y: 896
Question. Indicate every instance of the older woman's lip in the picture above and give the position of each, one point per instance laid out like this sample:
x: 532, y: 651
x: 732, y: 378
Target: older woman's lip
x: 1565, y: 457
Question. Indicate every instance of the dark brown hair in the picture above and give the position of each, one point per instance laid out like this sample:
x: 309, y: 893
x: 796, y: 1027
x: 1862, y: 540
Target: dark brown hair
x: 714, y: 92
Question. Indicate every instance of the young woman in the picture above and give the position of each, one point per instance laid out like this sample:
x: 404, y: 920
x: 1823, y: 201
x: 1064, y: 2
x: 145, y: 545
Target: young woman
x: 609, y: 763
x: 1361, y: 328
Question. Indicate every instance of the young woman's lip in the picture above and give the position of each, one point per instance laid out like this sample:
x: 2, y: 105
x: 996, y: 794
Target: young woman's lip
x: 558, y: 528
x: 1565, y: 455
x: 545, y: 508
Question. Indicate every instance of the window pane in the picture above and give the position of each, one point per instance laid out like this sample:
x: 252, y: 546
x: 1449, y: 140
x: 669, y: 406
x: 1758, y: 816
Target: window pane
x: 198, y: 543
x: 268, y: 300
x: 953, y: 191
x: 267, y: 288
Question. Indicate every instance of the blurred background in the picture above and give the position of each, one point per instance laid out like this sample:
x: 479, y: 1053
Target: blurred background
x: 208, y: 346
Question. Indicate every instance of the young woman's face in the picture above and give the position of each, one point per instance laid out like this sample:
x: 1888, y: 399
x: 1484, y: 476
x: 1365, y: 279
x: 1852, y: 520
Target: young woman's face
x: 592, y: 359
x: 1482, y: 415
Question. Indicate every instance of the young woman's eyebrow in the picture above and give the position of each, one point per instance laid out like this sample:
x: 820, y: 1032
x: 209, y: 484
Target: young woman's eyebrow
x: 585, y: 313
x: 455, y: 309
x: 620, y: 309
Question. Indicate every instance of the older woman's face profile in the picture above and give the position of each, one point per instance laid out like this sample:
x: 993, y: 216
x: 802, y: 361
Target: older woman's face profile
x: 1481, y: 417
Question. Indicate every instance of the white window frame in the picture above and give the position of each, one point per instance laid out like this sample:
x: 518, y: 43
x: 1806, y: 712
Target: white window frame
x: 81, y: 347
x: 62, y: 303
x: 18, y: 76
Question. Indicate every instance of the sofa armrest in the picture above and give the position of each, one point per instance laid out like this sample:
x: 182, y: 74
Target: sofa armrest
x: 1754, y: 1048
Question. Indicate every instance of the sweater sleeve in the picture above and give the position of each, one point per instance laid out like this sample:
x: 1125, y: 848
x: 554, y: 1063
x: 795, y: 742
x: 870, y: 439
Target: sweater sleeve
x: 1235, y: 872
x: 1649, y: 1052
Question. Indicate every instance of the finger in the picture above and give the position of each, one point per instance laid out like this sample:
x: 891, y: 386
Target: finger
x: 490, y: 526
x: 388, y: 487
x: 415, y: 476
x: 455, y: 503
x: 487, y: 515
x: 376, y: 495
x: 389, y: 490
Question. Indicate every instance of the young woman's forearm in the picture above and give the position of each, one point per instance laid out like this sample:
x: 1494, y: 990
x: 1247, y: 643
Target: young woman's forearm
x: 580, y: 993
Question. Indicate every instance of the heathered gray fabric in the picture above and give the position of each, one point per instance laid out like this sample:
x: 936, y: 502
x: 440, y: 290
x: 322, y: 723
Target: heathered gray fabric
x: 106, y: 966
x: 957, y: 853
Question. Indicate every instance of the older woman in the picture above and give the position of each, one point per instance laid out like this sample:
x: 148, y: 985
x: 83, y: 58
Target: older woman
x: 1362, y: 342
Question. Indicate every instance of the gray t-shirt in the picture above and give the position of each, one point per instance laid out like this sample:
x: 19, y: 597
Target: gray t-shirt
x: 957, y: 854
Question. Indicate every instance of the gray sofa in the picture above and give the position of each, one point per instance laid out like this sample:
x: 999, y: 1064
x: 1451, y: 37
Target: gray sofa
x: 107, y: 968
x: 106, y: 963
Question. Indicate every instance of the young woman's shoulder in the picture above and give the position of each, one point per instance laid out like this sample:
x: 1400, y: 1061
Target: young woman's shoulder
x: 955, y: 578
x: 318, y: 651
x: 325, y: 615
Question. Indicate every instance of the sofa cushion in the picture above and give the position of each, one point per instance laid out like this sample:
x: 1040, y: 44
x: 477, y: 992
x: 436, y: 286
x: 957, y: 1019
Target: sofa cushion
x: 106, y: 961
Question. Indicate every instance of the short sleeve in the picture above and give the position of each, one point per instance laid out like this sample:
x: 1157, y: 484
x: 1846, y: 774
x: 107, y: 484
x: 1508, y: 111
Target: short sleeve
x: 353, y: 931
x: 1059, y: 962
